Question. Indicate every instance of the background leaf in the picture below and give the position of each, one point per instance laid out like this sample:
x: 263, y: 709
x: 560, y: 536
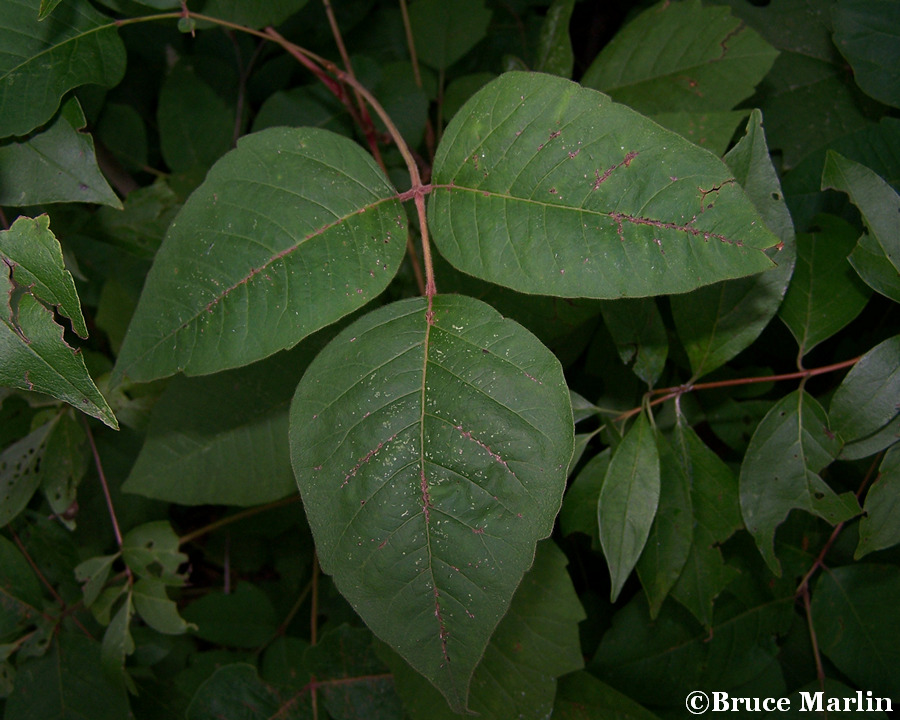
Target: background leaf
x: 223, y: 438
x: 879, y: 528
x: 65, y: 683
x: 554, y: 51
x: 628, y: 501
x: 535, y: 642
x: 640, y: 336
x: 54, y: 164
x: 239, y: 686
x: 867, y: 32
x: 671, y: 535
x: 253, y: 15
x: 20, y: 592
x: 681, y: 56
x: 444, y: 32
x: 251, y: 248
x: 856, y: 627
x: 583, y: 697
x: 779, y: 473
x: 546, y: 187
x: 877, y: 201
x: 403, y: 446
x: 825, y: 294
x: 867, y: 399
x: 717, y: 322
x: 74, y: 46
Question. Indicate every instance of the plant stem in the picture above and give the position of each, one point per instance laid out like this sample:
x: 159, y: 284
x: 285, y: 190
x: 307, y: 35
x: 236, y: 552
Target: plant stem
x: 105, y: 485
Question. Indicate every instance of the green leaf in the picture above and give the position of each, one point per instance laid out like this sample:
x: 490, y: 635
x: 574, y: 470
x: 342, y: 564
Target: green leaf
x: 152, y: 603
x: 671, y: 535
x: 681, y: 56
x: 579, y: 509
x: 122, y: 131
x: 879, y: 528
x: 239, y: 686
x: 47, y: 7
x: 20, y: 593
x: 290, y: 232
x: 867, y: 32
x: 19, y: 472
x: 35, y: 257
x: 873, y: 266
x: 546, y: 187
x: 36, y: 357
x: 779, y: 473
x: 43, y: 60
x: 536, y: 642
x: 715, y: 323
x: 444, y: 32
x: 628, y: 501
x: 581, y: 696
x: 117, y: 643
x: 824, y: 295
x: 151, y: 550
x: 874, y: 443
x: 356, y: 683
x: 195, y: 125
x: 867, y: 399
x: 254, y: 15
x: 717, y: 516
x: 242, y: 618
x: 877, y: 201
x: 64, y: 684
x: 63, y: 465
x: 637, y: 329
x: 223, y: 439
x: 431, y: 446
x: 554, y: 49
x: 661, y: 661
x: 55, y: 164
x: 94, y: 573
x: 853, y: 614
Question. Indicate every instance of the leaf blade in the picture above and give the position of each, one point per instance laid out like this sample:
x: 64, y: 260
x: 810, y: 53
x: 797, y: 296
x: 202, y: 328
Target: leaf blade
x: 260, y: 246
x: 403, y: 433
x: 529, y: 193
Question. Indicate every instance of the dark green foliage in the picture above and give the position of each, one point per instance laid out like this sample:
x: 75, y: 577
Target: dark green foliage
x: 591, y: 390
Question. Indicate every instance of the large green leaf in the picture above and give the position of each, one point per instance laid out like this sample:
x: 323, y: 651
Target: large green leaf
x: 42, y: 60
x: 55, y: 164
x: 717, y: 322
x: 867, y: 32
x: 682, y: 56
x: 867, y: 398
x: 628, y: 501
x: 291, y: 231
x: 854, y: 614
x: 431, y: 446
x: 877, y: 201
x: 879, y: 528
x: 779, y: 473
x: 536, y: 642
x: 825, y: 294
x: 223, y: 439
x: 546, y: 187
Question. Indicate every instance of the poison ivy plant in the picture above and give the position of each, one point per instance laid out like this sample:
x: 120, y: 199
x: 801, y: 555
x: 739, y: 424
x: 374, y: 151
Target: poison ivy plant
x: 319, y: 315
